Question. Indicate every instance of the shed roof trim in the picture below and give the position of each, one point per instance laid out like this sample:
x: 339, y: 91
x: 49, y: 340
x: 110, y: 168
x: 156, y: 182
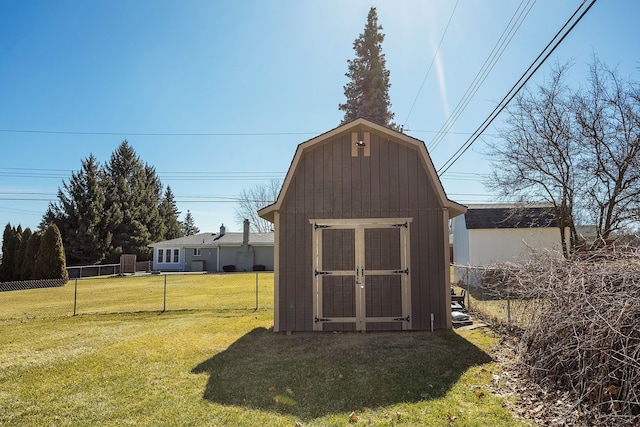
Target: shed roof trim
x: 454, y: 208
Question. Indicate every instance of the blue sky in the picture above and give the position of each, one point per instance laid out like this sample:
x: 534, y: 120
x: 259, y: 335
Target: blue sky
x: 216, y: 95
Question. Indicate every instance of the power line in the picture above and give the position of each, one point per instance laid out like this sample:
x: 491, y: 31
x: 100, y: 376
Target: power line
x: 20, y: 172
x: 20, y: 211
x: 435, y: 55
x: 502, y: 43
x: 190, y: 198
x: 448, y: 133
x: 187, y: 134
x: 464, y: 178
x: 59, y: 132
x: 518, y: 85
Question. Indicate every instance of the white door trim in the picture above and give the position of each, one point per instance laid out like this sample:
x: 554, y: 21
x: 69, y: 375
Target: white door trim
x: 359, y: 225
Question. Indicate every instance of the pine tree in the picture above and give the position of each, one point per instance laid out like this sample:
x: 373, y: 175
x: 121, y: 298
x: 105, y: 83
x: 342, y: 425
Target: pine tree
x: 188, y: 225
x: 103, y: 212
x: 79, y: 214
x: 11, y: 239
x: 367, y: 92
x: 17, y: 260
x: 8, y: 254
x: 22, y: 253
x: 28, y: 265
x: 169, y: 213
x: 132, y: 199
x: 50, y: 261
x: 148, y: 207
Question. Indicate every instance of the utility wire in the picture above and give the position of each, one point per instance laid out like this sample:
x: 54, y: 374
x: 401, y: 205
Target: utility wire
x: 20, y: 172
x: 186, y: 134
x: 518, y: 85
x: 56, y: 132
x: 514, y: 24
x: 435, y: 55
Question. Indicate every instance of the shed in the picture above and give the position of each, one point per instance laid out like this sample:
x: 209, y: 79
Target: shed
x: 491, y: 233
x: 361, y: 234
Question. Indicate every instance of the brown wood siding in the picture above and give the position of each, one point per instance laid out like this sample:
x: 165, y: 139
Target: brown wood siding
x: 329, y: 183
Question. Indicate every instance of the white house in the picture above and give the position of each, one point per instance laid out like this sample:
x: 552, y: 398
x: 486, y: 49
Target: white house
x: 487, y: 234
x: 211, y: 252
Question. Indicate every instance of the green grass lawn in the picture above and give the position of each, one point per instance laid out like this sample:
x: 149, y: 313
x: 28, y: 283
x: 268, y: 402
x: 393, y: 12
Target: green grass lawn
x: 225, y: 367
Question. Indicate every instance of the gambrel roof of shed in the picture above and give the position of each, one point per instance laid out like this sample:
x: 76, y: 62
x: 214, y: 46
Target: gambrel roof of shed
x: 454, y: 208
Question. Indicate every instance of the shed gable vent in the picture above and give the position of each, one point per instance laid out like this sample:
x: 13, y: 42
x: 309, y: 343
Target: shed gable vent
x: 360, y: 144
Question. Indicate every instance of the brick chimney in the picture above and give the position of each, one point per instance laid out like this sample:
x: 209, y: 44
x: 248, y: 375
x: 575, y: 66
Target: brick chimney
x: 245, y: 233
x: 222, y: 230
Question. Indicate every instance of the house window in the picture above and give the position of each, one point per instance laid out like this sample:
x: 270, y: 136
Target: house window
x: 168, y: 256
x: 196, y: 251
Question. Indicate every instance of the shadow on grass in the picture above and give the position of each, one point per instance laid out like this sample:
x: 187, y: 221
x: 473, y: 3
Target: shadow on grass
x: 309, y: 375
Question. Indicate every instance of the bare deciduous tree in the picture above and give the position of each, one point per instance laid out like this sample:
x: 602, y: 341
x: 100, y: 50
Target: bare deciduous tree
x: 608, y: 115
x: 535, y: 159
x: 252, y: 200
x: 578, y: 149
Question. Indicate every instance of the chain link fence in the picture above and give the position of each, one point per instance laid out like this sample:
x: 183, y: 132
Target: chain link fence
x: 218, y: 293
x: 493, y: 303
x: 31, y: 284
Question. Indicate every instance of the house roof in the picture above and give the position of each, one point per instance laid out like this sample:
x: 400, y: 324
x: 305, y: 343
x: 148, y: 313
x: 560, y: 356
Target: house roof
x: 510, y: 216
x: 454, y: 208
x: 215, y: 240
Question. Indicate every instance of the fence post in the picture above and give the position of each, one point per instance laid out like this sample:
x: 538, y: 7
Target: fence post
x: 75, y: 297
x: 468, y: 295
x: 164, y: 304
x: 256, y: 309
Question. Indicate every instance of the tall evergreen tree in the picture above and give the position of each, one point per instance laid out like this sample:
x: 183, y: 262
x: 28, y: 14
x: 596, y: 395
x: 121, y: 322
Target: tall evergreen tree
x: 169, y: 214
x: 17, y: 260
x: 8, y: 253
x: 50, y: 261
x: 53, y: 215
x: 188, y: 225
x: 132, y: 198
x: 22, y: 253
x: 79, y: 214
x: 103, y: 212
x: 9, y: 269
x: 367, y: 92
x: 28, y: 265
x: 149, y: 205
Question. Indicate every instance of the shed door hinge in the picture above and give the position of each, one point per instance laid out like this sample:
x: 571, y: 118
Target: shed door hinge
x: 321, y: 319
x: 405, y: 271
x: 402, y: 319
x: 321, y: 273
x: 405, y: 225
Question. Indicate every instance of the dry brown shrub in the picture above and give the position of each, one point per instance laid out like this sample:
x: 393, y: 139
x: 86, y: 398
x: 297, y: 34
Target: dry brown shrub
x: 583, y: 335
